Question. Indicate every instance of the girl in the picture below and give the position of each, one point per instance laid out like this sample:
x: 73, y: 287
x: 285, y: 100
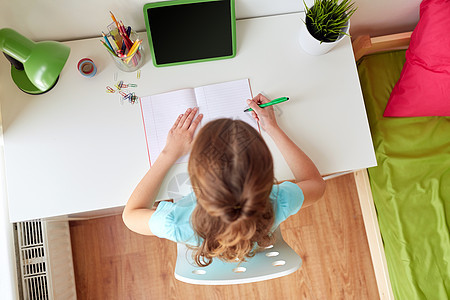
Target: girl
x: 236, y: 203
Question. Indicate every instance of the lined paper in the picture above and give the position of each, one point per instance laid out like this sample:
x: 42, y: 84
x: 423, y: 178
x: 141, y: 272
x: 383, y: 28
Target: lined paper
x: 159, y: 113
x: 222, y: 100
x: 225, y: 100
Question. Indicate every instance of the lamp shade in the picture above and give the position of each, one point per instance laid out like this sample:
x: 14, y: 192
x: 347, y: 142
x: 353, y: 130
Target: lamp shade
x: 35, y: 66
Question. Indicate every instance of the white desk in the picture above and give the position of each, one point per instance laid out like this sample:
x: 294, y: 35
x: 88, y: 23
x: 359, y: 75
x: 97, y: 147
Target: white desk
x: 77, y: 149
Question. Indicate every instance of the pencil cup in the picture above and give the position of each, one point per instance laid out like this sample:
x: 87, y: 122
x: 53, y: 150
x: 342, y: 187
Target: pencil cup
x: 132, y: 62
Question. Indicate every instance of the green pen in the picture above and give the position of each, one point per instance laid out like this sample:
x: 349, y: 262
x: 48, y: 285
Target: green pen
x: 275, y: 101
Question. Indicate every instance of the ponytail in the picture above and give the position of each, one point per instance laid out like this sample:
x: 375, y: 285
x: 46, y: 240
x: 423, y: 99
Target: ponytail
x: 231, y: 171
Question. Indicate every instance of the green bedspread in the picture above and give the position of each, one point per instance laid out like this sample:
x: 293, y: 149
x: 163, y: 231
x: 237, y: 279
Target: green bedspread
x: 410, y: 186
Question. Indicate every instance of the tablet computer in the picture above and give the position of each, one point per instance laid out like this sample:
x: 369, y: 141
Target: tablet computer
x: 187, y: 31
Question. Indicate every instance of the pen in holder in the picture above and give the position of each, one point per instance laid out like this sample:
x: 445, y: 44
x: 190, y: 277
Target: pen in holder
x: 124, y: 46
x: 133, y: 59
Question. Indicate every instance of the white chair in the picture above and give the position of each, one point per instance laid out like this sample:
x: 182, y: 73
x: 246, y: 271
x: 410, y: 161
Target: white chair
x: 275, y: 261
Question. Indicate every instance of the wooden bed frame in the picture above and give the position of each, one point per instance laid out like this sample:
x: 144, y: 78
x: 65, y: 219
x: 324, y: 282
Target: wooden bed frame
x: 363, y: 45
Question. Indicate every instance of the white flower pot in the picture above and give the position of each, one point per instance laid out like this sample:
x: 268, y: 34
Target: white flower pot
x: 313, y: 46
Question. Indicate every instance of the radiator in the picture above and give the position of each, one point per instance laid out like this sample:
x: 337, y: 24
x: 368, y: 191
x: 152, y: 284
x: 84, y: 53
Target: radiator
x: 45, y: 260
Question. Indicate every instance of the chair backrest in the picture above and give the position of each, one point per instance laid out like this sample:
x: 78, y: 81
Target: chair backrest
x: 275, y: 261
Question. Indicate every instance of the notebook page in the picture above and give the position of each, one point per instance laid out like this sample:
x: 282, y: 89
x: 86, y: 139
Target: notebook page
x: 159, y: 113
x: 225, y: 100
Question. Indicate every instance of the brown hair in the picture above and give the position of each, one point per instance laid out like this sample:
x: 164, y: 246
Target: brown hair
x: 231, y: 171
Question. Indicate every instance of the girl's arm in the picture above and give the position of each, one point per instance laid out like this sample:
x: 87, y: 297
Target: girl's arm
x: 138, y: 209
x: 306, y: 175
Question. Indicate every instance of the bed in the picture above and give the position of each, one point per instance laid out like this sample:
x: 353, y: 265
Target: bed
x: 405, y: 200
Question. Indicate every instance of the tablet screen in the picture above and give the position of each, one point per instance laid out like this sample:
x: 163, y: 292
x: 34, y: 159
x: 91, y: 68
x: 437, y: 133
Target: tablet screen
x: 191, y: 31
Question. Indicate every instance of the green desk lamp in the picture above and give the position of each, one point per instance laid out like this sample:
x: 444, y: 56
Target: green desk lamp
x: 35, y: 67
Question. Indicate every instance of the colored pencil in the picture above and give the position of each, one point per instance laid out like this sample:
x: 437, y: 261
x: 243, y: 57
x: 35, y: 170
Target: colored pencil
x: 107, y: 41
x: 109, y: 49
x: 133, y: 50
x: 114, y: 19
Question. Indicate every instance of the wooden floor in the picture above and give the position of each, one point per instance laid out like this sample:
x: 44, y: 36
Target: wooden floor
x: 113, y: 263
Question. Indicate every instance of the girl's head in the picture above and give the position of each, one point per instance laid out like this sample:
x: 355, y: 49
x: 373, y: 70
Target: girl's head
x: 231, y: 171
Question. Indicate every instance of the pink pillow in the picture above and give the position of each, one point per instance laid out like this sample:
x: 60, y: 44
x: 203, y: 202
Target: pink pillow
x: 424, y: 85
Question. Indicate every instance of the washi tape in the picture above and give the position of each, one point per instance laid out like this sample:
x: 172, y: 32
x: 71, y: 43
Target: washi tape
x: 87, y: 67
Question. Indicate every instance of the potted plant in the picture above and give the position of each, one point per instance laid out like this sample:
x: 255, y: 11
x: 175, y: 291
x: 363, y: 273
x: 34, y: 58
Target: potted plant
x: 326, y: 23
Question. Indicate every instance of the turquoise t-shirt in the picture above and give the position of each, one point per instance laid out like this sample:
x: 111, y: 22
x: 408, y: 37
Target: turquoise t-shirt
x: 172, y: 220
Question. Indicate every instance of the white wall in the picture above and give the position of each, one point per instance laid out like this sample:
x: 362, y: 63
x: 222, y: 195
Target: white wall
x: 75, y: 19
x: 380, y: 17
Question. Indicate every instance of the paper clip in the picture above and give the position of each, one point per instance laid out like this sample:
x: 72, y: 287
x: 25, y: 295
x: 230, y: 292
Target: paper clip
x: 138, y: 74
x: 128, y: 96
x: 110, y: 90
x: 120, y: 85
x: 123, y: 94
x: 132, y: 85
x: 133, y: 99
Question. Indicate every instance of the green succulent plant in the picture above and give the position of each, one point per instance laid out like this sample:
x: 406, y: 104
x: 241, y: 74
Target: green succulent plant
x: 327, y: 20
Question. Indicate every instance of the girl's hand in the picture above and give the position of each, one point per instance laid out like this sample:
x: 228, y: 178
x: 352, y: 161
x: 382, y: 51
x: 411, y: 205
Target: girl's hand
x: 181, y: 134
x: 265, y: 116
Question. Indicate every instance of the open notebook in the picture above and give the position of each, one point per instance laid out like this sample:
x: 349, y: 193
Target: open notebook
x: 222, y: 100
